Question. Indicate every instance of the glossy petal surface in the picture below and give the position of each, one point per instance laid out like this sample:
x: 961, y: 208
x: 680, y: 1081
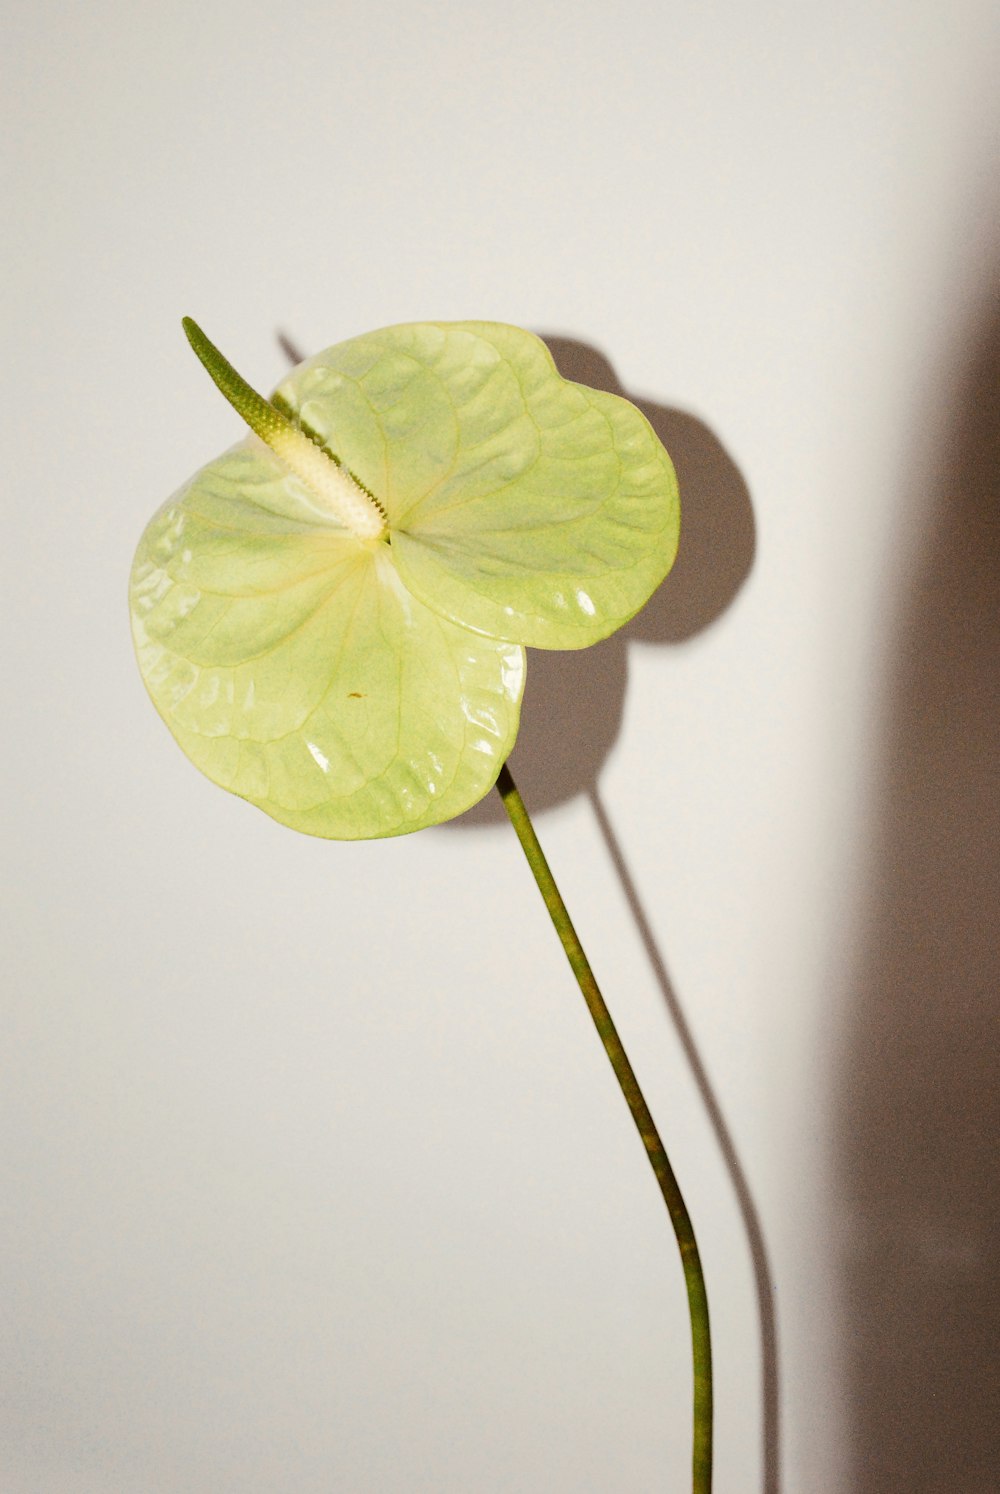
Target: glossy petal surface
x: 366, y: 681
x: 522, y: 506
x: 296, y: 670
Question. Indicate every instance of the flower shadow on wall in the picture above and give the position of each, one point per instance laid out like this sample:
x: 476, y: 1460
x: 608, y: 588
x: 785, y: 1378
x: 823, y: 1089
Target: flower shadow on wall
x: 561, y: 747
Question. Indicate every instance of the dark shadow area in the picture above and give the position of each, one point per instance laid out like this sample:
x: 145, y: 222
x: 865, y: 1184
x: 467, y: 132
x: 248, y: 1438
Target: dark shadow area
x: 571, y: 717
x: 918, y: 1094
x: 292, y: 352
x: 573, y: 701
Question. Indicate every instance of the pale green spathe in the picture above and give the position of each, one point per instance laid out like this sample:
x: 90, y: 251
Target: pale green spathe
x: 357, y: 687
x: 522, y: 505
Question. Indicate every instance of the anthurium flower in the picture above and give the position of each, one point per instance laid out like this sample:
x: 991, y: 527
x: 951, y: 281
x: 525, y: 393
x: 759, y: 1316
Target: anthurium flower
x: 331, y: 617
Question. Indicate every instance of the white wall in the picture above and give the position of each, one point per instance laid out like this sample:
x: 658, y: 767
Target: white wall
x: 316, y: 1178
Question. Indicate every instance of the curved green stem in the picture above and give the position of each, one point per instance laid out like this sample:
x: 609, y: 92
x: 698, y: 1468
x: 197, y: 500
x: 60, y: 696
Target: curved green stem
x: 679, y: 1217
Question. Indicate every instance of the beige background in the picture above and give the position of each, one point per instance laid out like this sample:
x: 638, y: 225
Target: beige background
x: 316, y: 1181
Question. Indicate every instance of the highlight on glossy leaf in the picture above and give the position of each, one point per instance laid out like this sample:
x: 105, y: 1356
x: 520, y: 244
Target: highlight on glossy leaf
x: 331, y: 617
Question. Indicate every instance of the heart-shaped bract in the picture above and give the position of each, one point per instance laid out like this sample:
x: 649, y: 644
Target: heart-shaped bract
x: 331, y: 616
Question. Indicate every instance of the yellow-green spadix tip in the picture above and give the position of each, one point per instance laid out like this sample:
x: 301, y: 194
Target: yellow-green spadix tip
x: 328, y: 482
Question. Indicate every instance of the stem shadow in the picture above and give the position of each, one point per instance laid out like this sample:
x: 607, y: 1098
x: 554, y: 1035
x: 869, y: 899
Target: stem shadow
x: 763, y: 1283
